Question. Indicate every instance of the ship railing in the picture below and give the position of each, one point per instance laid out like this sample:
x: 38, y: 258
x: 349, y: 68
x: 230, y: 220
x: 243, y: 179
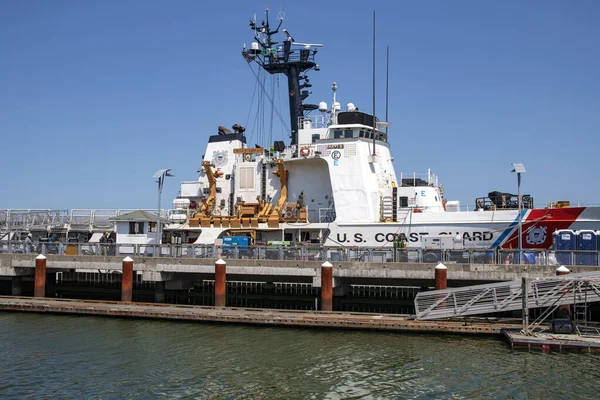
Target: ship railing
x: 314, y: 253
x: 314, y: 121
x: 278, y: 57
x: 429, y: 177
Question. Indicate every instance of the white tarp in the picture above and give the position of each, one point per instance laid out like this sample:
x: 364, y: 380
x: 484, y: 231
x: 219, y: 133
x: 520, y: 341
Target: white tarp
x: 96, y: 237
x: 4, y: 237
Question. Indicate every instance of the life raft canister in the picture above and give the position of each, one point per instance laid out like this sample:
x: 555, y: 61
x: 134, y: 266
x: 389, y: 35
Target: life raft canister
x: 305, y: 151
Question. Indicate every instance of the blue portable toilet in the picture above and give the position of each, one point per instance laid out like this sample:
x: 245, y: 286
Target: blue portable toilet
x: 564, y: 245
x: 587, y: 241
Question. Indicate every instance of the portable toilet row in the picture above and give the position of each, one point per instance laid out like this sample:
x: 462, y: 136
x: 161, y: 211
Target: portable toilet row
x: 576, y: 247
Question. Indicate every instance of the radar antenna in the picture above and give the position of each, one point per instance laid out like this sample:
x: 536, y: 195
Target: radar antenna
x: 292, y: 62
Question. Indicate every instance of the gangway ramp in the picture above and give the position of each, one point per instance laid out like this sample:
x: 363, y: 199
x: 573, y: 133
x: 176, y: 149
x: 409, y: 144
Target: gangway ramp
x: 507, y: 296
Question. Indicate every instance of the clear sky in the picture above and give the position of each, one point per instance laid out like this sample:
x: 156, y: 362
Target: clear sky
x: 95, y: 96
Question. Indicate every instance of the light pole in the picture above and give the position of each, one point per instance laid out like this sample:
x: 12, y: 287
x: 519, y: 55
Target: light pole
x: 160, y: 176
x: 519, y: 169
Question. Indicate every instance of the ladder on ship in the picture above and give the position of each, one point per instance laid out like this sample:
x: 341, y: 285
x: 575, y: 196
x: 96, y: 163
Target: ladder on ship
x: 387, y: 208
x: 508, y: 296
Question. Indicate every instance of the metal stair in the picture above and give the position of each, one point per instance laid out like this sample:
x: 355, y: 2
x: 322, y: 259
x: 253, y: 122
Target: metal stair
x: 387, y: 208
x: 507, y: 296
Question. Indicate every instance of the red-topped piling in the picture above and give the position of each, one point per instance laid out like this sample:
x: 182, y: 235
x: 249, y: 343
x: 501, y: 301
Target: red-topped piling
x: 127, y: 280
x: 441, y: 277
x: 220, y: 283
x: 40, y: 276
x: 326, y: 286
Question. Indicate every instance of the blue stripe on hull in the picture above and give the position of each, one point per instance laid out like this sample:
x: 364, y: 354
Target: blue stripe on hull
x: 509, y: 230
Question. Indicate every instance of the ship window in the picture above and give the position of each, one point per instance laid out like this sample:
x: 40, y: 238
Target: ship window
x: 337, y: 134
x: 136, y: 228
x: 361, y: 134
x: 348, y: 133
x: 247, y: 178
x: 404, y: 201
x: 315, y: 137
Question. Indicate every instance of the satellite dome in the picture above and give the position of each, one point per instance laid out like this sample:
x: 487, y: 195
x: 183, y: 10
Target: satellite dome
x: 322, y: 106
x: 350, y: 107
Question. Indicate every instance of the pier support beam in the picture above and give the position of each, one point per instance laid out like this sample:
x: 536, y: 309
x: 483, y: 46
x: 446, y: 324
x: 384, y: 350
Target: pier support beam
x: 17, y: 286
x: 159, y: 292
x: 51, y: 284
x: 441, y: 277
x: 326, y: 286
x: 40, y: 276
x: 127, y: 280
x: 220, y: 283
x: 563, y: 311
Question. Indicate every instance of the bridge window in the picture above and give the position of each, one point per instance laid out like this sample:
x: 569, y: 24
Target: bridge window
x: 337, y: 134
x: 348, y: 133
x: 361, y: 134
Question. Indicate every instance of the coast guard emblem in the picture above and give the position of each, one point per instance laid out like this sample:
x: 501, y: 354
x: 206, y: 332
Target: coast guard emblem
x: 219, y: 158
x: 537, y: 235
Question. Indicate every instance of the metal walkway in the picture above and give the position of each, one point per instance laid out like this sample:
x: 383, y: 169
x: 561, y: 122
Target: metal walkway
x: 507, y: 296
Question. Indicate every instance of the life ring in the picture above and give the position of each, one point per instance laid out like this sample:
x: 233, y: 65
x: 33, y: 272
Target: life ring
x: 305, y: 151
x: 417, y: 210
x: 247, y: 157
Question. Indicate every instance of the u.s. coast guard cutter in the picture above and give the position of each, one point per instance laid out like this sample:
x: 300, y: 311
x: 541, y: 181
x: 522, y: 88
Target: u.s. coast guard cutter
x: 334, y: 183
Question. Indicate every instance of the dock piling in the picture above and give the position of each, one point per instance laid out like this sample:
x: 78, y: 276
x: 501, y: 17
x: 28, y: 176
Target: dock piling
x: 563, y: 311
x: 40, y: 276
x: 326, y: 286
x: 441, y: 277
x: 220, y: 285
x: 127, y: 280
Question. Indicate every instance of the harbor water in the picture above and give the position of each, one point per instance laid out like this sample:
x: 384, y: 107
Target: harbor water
x: 71, y: 357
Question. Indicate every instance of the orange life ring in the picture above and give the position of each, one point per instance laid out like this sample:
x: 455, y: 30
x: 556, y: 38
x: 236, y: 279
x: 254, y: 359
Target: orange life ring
x: 417, y: 210
x: 305, y: 151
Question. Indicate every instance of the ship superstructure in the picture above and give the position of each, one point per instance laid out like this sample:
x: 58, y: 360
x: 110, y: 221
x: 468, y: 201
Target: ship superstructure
x: 335, y: 182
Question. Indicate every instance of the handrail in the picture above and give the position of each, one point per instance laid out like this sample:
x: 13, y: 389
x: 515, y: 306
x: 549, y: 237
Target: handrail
x: 308, y: 252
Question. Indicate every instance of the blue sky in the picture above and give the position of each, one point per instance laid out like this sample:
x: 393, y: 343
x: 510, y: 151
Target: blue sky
x: 95, y: 96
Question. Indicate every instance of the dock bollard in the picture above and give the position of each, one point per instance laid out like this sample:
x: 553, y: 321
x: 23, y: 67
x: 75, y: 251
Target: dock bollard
x: 441, y: 277
x: 565, y: 309
x: 326, y: 286
x: 220, y: 286
x: 40, y: 276
x: 127, y: 280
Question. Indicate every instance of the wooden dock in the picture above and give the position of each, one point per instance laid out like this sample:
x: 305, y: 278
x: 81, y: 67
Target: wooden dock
x: 271, y: 317
x: 555, y: 341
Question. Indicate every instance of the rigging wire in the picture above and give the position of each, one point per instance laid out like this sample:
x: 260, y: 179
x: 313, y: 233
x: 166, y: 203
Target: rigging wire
x: 281, y: 119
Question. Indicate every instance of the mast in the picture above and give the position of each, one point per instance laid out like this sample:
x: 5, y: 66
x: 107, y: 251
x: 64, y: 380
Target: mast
x: 283, y: 59
x: 374, y: 119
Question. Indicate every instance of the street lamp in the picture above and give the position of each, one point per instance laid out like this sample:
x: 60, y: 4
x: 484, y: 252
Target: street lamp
x: 519, y: 169
x: 160, y: 176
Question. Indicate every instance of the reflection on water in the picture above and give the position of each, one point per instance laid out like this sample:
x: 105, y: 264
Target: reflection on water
x: 83, y: 357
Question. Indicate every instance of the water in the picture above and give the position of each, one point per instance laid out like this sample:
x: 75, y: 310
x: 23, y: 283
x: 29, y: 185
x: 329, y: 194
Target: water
x: 45, y: 356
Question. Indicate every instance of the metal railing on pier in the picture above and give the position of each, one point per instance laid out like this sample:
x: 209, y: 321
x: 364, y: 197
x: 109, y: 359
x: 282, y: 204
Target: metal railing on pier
x: 311, y: 253
x: 507, y: 296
